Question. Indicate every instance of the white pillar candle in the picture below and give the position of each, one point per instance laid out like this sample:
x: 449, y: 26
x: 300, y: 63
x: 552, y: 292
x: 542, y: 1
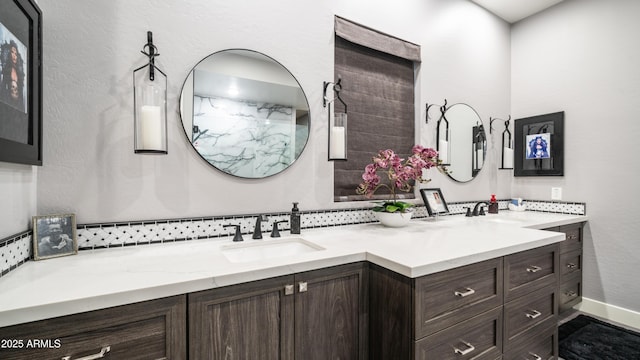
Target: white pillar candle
x: 479, y: 158
x: 338, y: 143
x: 151, y: 127
x: 443, y: 151
x: 507, y: 160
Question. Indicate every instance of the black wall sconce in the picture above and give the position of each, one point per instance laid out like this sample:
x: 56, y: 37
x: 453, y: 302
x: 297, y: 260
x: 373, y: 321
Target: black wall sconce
x: 478, y: 149
x: 442, y: 133
x: 337, y: 123
x: 506, y: 162
x: 150, y: 104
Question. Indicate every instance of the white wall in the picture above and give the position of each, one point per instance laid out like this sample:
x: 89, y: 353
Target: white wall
x: 18, y: 197
x: 91, y: 48
x: 582, y: 57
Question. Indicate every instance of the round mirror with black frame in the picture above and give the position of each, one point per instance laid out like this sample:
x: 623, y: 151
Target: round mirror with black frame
x: 245, y: 113
x: 462, y: 141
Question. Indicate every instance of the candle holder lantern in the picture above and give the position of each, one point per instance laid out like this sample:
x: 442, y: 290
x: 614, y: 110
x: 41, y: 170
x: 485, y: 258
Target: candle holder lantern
x: 337, y: 123
x: 150, y: 104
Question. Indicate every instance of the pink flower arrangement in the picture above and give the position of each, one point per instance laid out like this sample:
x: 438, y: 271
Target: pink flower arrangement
x: 399, y: 173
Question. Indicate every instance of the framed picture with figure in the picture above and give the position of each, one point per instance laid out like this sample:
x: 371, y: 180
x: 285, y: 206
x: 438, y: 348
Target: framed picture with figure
x: 20, y: 82
x: 434, y: 201
x: 54, y: 236
x: 539, y: 145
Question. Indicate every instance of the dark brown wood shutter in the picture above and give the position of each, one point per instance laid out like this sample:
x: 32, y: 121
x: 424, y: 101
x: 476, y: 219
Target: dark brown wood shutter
x: 378, y: 88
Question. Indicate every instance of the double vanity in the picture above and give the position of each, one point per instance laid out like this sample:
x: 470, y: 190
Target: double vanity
x: 487, y: 287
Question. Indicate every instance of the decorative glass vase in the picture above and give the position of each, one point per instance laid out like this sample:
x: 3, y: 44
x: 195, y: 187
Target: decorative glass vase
x: 394, y: 219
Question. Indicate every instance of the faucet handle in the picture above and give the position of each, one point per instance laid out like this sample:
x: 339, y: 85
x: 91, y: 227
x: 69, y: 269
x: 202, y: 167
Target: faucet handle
x: 481, y: 211
x: 238, y: 235
x: 275, y: 232
x: 468, y: 211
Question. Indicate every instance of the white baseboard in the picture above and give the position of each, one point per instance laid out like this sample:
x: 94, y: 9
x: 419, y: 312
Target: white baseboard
x: 610, y: 312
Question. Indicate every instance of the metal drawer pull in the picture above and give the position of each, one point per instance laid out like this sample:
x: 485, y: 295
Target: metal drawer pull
x: 469, y: 291
x: 469, y: 348
x: 99, y: 355
x: 302, y: 286
x: 533, y: 314
x: 534, y: 269
x: 535, y: 356
x: 571, y: 293
x: 572, y: 265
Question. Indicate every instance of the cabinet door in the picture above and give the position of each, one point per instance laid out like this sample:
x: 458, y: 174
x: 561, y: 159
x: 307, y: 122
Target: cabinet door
x: 247, y: 321
x: 148, y: 330
x: 329, y: 310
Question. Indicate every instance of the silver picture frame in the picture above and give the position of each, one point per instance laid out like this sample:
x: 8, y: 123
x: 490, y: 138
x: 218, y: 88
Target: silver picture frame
x: 54, y: 236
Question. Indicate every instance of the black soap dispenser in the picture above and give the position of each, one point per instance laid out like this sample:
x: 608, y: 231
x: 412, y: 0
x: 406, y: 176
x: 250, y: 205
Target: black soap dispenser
x: 294, y: 222
x: 493, y: 205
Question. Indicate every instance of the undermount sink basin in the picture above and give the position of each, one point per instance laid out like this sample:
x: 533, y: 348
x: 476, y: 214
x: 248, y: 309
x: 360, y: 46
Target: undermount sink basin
x: 502, y: 220
x: 268, y: 249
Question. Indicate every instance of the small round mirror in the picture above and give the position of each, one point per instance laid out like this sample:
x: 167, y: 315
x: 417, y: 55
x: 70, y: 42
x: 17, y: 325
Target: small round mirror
x: 244, y: 113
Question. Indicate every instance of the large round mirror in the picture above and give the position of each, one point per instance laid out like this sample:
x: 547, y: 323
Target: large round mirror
x: 462, y: 142
x: 244, y: 113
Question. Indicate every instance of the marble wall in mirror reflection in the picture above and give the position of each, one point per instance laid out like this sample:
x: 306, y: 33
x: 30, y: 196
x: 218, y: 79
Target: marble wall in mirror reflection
x: 247, y: 138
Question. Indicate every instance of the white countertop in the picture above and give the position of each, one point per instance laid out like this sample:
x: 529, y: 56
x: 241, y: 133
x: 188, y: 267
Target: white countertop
x: 96, y: 279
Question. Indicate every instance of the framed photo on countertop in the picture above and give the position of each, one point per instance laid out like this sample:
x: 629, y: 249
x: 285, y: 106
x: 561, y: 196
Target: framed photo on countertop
x: 54, y: 236
x: 434, y: 201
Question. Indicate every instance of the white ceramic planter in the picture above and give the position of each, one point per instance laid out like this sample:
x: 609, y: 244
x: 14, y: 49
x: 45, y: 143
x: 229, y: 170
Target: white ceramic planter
x: 396, y: 219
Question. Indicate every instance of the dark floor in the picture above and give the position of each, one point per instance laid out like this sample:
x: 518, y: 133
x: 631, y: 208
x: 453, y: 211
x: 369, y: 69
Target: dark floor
x: 570, y: 314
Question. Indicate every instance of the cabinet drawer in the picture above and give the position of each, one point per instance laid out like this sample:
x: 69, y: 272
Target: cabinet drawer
x: 539, y: 343
x: 477, y: 338
x: 528, y: 311
x: 446, y: 298
x: 573, y: 239
x: 570, y: 292
x: 530, y: 270
x: 149, y: 330
x: 570, y: 262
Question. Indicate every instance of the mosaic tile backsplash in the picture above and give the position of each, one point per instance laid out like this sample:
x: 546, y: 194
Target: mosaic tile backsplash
x: 16, y: 250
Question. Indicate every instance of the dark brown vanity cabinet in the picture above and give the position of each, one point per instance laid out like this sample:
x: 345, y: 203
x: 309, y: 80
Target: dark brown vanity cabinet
x: 503, y: 308
x: 454, y: 314
x: 570, y: 290
x: 150, y: 330
x: 530, y: 304
x: 318, y: 314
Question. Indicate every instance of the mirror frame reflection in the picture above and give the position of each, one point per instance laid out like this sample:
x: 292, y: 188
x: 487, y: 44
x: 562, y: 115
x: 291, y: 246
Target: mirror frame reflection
x: 244, y: 113
x: 462, y: 143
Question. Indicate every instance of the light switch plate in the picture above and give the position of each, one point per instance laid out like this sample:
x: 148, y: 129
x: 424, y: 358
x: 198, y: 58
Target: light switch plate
x: 556, y: 193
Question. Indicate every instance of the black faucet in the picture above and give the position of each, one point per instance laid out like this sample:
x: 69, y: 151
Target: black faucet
x: 275, y: 232
x: 479, y: 205
x: 257, y: 230
x: 238, y: 234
